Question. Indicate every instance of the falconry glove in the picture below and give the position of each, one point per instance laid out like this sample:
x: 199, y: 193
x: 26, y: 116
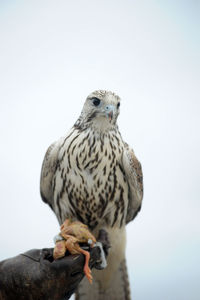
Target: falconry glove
x: 36, y: 275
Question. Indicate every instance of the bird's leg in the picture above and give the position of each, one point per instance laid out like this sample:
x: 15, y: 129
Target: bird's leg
x: 86, y: 268
x: 71, y: 244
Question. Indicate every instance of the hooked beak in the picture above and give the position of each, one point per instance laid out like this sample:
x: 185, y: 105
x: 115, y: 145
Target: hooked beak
x: 109, y: 110
x: 110, y: 115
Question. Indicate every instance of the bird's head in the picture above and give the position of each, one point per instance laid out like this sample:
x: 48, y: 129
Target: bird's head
x: 101, y: 110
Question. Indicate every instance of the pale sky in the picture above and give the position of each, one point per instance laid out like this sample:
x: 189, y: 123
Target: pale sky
x: 52, y: 55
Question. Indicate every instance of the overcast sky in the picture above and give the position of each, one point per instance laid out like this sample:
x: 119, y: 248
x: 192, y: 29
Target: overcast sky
x: 52, y: 55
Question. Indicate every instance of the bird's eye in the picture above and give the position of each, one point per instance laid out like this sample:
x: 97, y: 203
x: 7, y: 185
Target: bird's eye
x: 96, y: 101
x: 118, y: 104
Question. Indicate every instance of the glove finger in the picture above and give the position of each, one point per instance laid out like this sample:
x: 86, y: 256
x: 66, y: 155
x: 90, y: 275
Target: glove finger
x: 104, y: 239
x: 95, y: 256
x: 47, y: 254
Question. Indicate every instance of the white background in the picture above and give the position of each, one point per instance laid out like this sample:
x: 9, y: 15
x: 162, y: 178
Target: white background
x: 52, y: 55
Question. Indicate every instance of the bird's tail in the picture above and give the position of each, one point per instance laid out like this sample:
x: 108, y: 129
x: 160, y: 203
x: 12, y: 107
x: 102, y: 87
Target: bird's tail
x: 116, y: 288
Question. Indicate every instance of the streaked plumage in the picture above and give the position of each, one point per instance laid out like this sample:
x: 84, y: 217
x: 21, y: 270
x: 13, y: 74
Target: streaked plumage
x: 92, y: 175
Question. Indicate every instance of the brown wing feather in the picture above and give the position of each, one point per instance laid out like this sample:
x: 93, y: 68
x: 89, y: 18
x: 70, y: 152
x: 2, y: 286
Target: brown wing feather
x: 47, y: 173
x: 134, y: 176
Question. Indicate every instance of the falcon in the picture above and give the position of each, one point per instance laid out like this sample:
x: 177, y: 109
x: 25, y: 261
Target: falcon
x: 93, y: 176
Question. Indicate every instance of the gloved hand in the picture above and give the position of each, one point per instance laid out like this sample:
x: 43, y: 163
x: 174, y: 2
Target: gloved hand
x: 35, y: 275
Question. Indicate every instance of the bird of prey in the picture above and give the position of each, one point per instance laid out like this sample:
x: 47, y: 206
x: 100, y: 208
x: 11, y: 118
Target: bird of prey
x: 93, y: 176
